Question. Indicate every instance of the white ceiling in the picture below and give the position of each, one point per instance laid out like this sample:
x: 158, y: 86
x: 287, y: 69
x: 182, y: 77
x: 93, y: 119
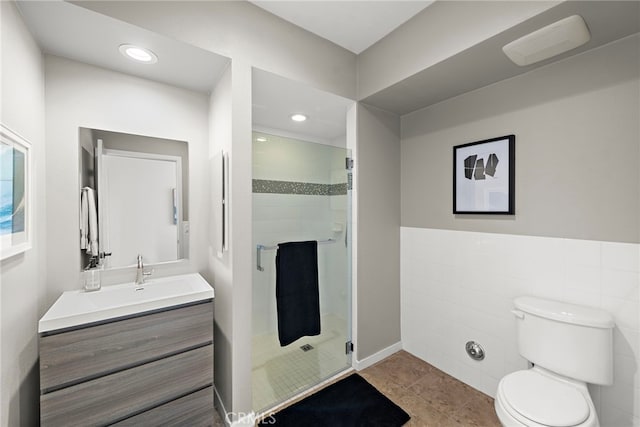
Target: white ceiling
x: 73, y: 32
x: 275, y: 98
x: 77, y: 33
x: 354, y: 25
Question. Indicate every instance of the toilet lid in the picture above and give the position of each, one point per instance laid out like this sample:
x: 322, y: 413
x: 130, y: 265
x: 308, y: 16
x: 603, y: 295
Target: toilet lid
x: 545, y: 400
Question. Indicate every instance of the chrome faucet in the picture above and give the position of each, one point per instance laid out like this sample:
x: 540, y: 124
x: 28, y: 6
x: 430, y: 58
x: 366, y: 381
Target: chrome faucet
x: 140, y: 273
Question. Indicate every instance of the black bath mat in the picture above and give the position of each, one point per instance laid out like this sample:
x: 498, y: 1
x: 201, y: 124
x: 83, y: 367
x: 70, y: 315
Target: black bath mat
x: 351, y: 402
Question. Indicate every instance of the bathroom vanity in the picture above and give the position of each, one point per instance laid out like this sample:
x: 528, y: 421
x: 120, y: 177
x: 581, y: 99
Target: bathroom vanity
x: 129, y: 355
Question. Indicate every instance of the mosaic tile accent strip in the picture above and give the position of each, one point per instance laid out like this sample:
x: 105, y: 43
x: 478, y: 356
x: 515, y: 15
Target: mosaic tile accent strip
x: 338, y: 189
x: 290, y: 187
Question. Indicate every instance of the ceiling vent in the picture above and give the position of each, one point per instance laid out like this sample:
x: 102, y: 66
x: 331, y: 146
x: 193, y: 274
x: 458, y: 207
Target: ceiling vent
x: 549, y: 41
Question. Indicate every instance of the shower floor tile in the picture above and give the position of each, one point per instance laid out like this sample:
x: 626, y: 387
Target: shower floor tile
x: 280, y: 373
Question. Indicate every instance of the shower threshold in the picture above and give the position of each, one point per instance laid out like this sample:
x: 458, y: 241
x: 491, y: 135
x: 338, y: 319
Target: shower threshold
x: 304, y: 393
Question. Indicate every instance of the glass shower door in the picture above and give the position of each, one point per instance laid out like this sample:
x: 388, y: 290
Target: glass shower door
x: 300, y: 193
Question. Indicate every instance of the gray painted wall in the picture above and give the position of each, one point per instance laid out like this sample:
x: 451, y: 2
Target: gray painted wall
x: 577, y: 149
x: 240, y: 223
x: 220, y: 136
x: 87, y: 154
x: 23, y: 280
x: 419, y: 43
x: 378, y: 266
x: 230, y: 130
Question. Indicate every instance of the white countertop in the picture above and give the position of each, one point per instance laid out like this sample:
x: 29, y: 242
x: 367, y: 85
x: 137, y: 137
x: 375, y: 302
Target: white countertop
x: 74, y: 308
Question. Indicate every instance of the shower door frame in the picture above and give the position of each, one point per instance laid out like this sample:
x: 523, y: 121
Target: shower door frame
x: 348, y: 281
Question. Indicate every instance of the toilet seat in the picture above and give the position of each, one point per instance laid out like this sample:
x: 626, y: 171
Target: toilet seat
x: 539, y: 398
x: 544, y: 400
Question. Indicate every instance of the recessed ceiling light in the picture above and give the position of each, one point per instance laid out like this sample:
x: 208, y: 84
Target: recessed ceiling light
x: 298, y: 117
x: 139, y: 54
x: 261, y: 139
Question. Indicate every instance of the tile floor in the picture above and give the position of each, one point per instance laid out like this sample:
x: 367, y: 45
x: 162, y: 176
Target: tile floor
x: 430, y: 396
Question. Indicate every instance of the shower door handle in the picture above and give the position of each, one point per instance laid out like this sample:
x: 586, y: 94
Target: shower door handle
x: 259, y: 249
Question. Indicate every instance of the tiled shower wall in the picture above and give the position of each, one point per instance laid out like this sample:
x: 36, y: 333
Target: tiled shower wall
x: 458, y: 286
x: 283, y: 218
x: 299, y: 193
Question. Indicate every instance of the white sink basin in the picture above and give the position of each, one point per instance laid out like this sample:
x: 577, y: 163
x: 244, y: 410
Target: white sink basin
x: 75, y: 308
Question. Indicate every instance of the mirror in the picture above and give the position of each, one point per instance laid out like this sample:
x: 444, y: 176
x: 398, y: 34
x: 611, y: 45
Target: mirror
x: 133, y: 198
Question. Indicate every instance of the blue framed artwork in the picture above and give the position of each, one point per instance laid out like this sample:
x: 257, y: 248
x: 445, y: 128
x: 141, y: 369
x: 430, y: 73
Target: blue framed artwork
x: 15, y: 193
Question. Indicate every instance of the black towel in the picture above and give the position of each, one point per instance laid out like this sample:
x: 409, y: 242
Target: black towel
x: 297, y: 294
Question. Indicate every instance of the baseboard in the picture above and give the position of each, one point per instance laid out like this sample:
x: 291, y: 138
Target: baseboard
x: 243, y: 420
x: 221, y: 409
x: 376, y: 357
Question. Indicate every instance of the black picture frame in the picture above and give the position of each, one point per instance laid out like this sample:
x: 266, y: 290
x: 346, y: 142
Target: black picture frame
x: 484, y: 177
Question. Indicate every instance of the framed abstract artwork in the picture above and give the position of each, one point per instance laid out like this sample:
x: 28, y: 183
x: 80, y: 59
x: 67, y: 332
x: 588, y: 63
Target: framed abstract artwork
x: 15, y: 193
x: 484, y: 176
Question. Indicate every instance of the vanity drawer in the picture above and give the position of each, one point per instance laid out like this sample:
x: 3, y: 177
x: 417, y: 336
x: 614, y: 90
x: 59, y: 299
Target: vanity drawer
x: 114, y: 397
x: 193, y: 410
x: 70, y: 357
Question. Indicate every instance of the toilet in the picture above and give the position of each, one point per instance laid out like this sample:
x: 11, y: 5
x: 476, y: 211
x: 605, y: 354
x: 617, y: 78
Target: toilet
x: 568, y: 346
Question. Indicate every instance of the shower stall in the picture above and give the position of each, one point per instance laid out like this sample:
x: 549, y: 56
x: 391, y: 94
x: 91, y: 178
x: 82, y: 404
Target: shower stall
x: 301, y: 192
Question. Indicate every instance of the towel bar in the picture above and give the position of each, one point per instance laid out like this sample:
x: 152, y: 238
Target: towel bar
x: 260, y: 248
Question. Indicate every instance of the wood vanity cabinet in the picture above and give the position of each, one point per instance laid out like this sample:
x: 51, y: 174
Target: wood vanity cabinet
x: 154, y: 368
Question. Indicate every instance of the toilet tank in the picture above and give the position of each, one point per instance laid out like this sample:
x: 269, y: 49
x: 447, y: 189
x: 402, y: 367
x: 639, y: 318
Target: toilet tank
x: 570, y: 340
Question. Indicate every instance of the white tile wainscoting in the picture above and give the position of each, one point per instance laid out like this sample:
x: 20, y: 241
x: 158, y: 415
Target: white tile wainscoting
x: 458, y: 286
